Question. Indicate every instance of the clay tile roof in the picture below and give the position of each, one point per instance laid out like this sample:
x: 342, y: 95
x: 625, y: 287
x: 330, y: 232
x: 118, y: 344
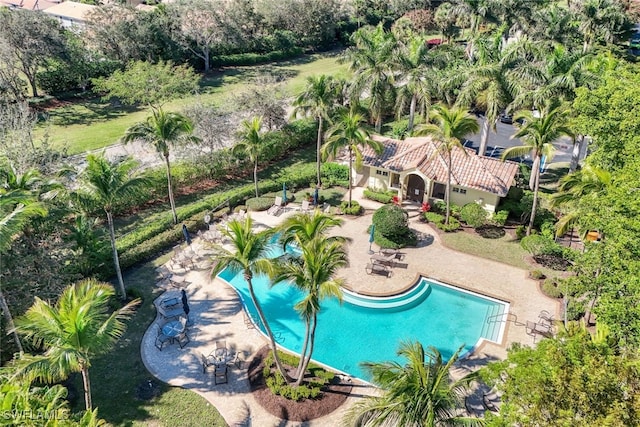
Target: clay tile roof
x: 467, y: 170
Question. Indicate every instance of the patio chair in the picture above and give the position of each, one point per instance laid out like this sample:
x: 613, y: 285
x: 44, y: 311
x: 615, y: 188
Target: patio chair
x: 389, y: 260
x: 305, y: 206
x: 206, y: 363
x: 396, y: 253
x: 161, y: 339
x: 220, y: 374
x: 376, y: 268
x: 221, y: 349
x: 276, y: 208
x: 182, y: 338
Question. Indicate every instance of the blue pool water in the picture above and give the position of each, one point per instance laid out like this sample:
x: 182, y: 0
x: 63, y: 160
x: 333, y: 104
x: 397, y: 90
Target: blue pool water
x: 365, y: 329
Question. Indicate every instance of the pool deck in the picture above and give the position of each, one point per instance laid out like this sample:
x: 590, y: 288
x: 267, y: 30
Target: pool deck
x: 216, y: 312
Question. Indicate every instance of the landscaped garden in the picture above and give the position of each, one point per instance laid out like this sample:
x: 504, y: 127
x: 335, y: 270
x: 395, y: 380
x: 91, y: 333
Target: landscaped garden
x: 225, y: 141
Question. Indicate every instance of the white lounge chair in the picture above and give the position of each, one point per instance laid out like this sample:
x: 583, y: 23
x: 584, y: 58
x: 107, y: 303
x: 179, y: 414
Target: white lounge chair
x: 305, y: 206
x: 277, y: 207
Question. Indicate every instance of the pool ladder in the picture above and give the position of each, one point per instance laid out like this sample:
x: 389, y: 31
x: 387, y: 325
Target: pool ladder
x: 494, y: 320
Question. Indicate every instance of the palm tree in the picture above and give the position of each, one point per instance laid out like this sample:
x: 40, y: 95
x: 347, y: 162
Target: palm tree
x: 317, y: 99
x: 15, y: 212
x: 163, y: 130
x: 415, y: 88
x: 104, y: 184
x: 538, y: 135
x: 79, y: 327
x: 600, y: 19
x: 450, y: 127
x: 347, y: 132
x: 302, y: 228
x: 248, y: 254
x: 417, y: 393
x: 494, y: 79
x: 313, y: 273
x: 370, y: 62
x: 251, y: 145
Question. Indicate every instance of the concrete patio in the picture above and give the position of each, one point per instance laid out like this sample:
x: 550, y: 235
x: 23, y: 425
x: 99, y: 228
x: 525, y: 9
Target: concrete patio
x: 217, y: 314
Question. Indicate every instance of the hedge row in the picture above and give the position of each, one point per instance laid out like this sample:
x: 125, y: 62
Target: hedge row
x: 255, y: 58
x: 379, y: 196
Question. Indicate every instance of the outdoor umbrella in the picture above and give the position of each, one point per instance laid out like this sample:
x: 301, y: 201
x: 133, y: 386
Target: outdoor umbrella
x: 185, y: 306
x: 284, y: 194
x: 186, y: 234
x: 371, y: 238
x: 315, y: 197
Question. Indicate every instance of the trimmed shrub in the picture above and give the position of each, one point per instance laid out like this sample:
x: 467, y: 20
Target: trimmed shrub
x: 500, y: 218
x: 392, y: 228
x: 255, y: 58
x: 310, y: 389
x: 575, y: 309
x: 257, y: 204
x: 439, y: 207
x: 536, y: 274
x: 536, y: 244
x: 379, y: 196
x: 521, y: 231
x: 453, y: 225
x: 552, y: 288
x: 355, y: 208
x: 473, y: 214
x: 434, y: 217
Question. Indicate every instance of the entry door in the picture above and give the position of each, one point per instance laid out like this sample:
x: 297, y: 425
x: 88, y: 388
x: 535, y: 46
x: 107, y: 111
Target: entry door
x: 415, y: 188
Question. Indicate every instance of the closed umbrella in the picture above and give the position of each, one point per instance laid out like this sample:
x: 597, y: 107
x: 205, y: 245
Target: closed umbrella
x: 284, y: 194
x: 185, y: 231
x: 185, y: 306
x: 371, y: 238
x: 315, y: 197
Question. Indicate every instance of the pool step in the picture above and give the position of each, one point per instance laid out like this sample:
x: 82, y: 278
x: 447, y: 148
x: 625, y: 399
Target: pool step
x: 494, y: 319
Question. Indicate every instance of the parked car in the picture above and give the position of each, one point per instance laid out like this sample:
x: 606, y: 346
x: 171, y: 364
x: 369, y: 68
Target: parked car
x: 506, y: 118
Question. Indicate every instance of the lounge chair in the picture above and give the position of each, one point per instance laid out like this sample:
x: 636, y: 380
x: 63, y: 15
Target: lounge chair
x: 396, y: 253
x: 389, y: 260
x: 534, y: 329
x: 376, y: 268
x: 277, y: 207
x: 305, y: 206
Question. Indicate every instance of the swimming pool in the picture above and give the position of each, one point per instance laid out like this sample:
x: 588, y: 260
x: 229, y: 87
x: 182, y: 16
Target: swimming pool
x: 370, y: 329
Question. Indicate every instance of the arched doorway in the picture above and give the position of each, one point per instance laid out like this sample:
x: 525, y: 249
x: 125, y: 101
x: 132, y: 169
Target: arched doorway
x: 415, y: 188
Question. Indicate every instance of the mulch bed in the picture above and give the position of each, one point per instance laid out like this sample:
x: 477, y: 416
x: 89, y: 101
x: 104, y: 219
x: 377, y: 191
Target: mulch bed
x: 309, y: 409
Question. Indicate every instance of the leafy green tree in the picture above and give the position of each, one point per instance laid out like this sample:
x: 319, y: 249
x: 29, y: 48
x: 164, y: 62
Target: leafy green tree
x: 600, y: 21
x: 313, y: 273
x: 370, y: 61
x: 79, y: 327
x: 418, y: 393
x: 573, y: 379
x: 105, y: 183
x: 251, y: 144
x: 146, y: 83
x: 247, y: 253
x: 445, y: 18
x: 347, y: 132
x: 538, y: 135
x: 317, y: 99
x: 28, y: 40
x: 163, y: 130
x: 450, y: 126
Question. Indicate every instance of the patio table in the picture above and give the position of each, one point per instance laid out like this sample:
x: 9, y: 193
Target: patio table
x: 172, y: 329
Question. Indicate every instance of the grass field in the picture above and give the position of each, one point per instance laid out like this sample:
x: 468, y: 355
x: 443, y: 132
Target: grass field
x: 92, y: 124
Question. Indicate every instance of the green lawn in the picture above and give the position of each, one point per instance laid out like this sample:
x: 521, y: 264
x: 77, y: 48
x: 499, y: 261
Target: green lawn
x: 505, y: 249
x: 93, y: 124
x: 116, y: 375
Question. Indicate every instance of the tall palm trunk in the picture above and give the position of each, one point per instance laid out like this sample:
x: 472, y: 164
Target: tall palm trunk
x: 350, y: 166
x: 255, y: 176
x: 447, y: 190
x: 412, y: 112
x: 170, y: 187
x: 114, y: 251
x: 578, y: 141
x: 484, y: 139
x: 536, y: 173
x: 248, y: 276
x: 378, y: 122
x: 318, y: 154
x: 303, y: 354
x: 86, y: 382
x: 307, y: 358
x: 10, y: 325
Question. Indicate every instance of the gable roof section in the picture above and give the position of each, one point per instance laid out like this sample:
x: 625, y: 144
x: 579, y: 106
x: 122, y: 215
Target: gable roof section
x: 467, y: 170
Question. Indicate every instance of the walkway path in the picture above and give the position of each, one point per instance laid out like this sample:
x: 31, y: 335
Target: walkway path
x: 217, y: 315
